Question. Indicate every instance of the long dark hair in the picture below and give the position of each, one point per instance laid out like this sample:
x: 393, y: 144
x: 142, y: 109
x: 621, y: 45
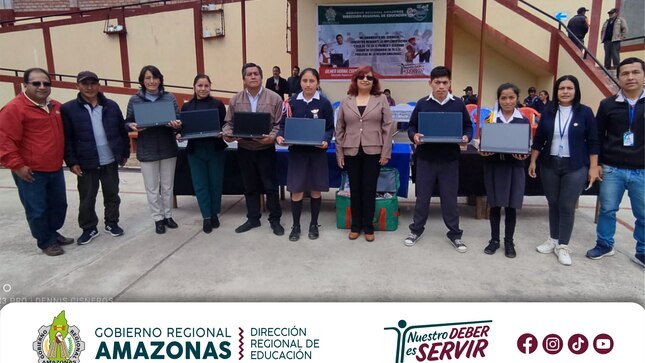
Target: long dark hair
x: 197, y: 78
x: 359, y: 72
x: 576, y: 97
x: 503, y: 87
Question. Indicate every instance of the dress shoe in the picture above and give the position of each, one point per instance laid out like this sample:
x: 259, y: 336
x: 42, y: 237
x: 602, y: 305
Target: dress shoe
x: 354, y: 235
x: 62, y: 240
x: 277, y: 229
x: 160, y: 227
x: 170, y: 223
x: 215, y: 221
x: 207, y: 226
x: 54, y: 250
x: 313, y: 231
x: 247, y: 226
x: 295, y: 233
x: 369, y: 237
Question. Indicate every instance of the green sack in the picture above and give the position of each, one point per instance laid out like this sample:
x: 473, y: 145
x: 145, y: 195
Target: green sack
x: 386, y: 213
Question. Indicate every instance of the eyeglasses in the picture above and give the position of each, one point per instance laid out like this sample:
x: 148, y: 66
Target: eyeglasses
x: 38, y: 84
x: 365, y: 76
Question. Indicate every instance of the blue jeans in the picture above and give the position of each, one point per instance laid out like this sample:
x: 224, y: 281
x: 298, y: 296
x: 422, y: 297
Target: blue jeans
x: 615, y: 182
x: 45, y: 203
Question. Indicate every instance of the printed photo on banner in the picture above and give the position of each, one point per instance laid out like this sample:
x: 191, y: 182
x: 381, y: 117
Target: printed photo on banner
x: 396, y: 40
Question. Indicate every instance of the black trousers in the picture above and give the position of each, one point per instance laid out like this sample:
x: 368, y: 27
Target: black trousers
x: 363, y: 171
x: 88, y: 188
x: 446, y: 175
x: 258, y: 168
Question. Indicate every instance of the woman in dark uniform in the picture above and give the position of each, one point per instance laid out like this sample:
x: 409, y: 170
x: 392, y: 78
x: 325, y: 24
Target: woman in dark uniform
x: 504, y: 174
x: 308, y: 171
x: 206, y: 156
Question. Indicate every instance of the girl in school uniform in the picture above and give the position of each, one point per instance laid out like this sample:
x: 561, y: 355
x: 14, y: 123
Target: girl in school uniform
x: 308, y: 171
x: 504, y: 174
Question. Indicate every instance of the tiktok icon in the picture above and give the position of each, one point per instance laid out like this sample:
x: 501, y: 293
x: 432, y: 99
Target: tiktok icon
x: 578, y: 344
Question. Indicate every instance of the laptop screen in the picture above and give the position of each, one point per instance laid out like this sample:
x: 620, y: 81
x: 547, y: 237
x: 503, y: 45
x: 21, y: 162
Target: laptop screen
x: 251, y: 123
x: 150, y: 114
x: 441, y: 124
x: 304, y: 129
x: 505, y: 138
x: 336, y: 59
x: 195, y: 122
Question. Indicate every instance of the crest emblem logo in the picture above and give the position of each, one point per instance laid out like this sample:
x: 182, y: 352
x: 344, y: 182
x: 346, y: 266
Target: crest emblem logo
x: 58, y: 342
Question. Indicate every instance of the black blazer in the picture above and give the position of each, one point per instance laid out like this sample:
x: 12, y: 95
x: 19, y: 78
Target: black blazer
x: 583, y: 135
x: 283, y: 86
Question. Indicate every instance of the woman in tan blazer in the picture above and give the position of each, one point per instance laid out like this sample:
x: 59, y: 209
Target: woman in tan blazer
x: 363, y: 145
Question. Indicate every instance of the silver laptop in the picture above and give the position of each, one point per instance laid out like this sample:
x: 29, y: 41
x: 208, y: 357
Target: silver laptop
x: 150, y: 114
x: 304, y: 131
x: 505, y: 138
x: 199, y: 124
x: 441, y: 127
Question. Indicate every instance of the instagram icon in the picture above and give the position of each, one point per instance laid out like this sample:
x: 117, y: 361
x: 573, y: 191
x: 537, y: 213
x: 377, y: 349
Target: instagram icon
x: 552, y: 344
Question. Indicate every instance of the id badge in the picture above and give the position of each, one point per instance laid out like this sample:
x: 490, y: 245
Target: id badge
x: 628, y: 138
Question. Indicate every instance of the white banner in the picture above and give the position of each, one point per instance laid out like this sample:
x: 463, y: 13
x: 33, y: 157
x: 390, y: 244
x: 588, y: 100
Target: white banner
x: 322, y: 332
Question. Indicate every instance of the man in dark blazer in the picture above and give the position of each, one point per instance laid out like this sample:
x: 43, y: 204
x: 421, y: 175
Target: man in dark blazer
x: 277, y: 84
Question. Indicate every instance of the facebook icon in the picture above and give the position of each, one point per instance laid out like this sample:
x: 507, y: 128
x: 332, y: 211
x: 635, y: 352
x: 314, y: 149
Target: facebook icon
x: 527, y: 343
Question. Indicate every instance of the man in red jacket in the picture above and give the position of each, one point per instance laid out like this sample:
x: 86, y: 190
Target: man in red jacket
x: 31, y: 145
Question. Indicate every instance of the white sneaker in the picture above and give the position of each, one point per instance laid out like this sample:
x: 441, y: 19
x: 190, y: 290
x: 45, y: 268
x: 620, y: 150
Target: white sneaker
x: 562, y: 251
x: 547, y: 246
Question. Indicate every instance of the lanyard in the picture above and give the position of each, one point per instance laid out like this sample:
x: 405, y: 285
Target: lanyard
x: 632, y: 109
x: 563, y: 130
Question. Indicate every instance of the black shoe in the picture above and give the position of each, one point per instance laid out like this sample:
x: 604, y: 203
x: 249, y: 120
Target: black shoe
x: 295, y: 234
x: 493, y: 245
x: 247, y: 226
x: 87, y: 236
x: 63, y: 241
x: 54, y: 250
x: 509, y: 249
x: 160, y: 227
x: 207, y: 226
x: 215, y: 221
x: 278, y: 230
x: 170, y: 223
x: 313, y: 231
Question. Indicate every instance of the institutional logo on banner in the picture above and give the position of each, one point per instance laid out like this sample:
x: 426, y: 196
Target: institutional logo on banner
x: 439, y: 342
x: 58, y: 342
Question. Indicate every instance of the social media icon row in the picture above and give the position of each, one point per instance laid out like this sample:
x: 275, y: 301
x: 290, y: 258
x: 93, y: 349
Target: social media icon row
x: 553, y: 344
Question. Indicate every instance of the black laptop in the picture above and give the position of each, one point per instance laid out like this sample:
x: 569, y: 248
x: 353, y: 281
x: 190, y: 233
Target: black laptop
x: 304, y: 131
x: 251, y: 125
x: 150, y: 114
x: 441, y: 127
x: 199, y: 124
x: 336, y: 60
x: 505, y: 138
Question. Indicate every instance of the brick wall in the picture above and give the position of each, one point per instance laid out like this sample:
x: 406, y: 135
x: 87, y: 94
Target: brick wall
x: 64, y: 5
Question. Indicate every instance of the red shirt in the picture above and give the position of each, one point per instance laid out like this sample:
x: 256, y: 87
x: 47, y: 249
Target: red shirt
x: 30, y: 136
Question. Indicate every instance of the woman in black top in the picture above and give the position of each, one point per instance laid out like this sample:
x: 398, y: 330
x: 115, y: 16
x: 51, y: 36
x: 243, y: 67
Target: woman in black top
x: 206, y: 156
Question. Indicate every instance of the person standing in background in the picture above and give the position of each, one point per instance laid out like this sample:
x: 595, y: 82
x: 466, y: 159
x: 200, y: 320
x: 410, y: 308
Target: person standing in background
x: 613, y: 31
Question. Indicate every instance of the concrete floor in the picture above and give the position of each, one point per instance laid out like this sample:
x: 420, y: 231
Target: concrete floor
x: 187, y: 265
